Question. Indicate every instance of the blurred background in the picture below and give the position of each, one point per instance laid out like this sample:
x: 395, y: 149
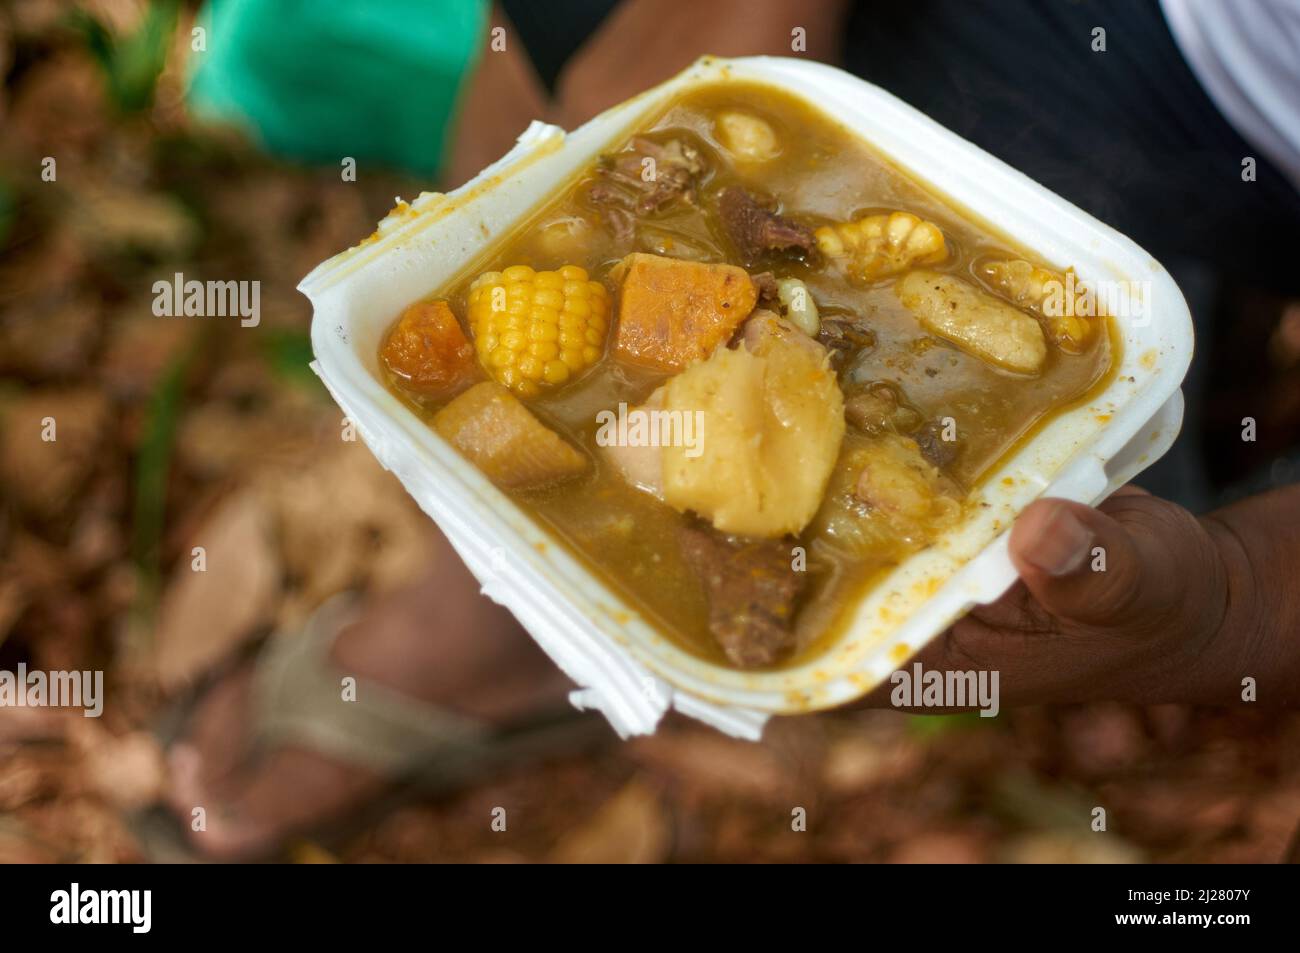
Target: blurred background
x: 171, y: 158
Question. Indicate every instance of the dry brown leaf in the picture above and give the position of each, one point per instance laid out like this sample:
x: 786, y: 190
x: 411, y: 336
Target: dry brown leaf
x: 31, y: 724
x: 853, y: 763
x: 218, y: 440
x: 59, y: 108
x: 50, y: 335
x: 25, y: 776
x: 345, y: 523
x: 84, y: 830
x: 1060, y: 847
x: 44, y: 474
x: 632, y: 827
x: 205, y: 615
x: 941, y: 847
x: 127, y: 770
x: 18, y: 846
x: 715, y: 765
x: 140, y: 347
x: 110, y: 217
x: 309, y: 852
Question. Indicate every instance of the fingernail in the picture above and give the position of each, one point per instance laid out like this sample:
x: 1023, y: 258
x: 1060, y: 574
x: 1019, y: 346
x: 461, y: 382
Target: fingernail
x: 1063, y: 544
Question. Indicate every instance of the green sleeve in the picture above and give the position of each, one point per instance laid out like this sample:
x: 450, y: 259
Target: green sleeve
x: 318, y: 80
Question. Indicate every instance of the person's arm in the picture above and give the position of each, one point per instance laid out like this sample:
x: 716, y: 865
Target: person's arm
x: 644, y: 42
x: 1184, y: 610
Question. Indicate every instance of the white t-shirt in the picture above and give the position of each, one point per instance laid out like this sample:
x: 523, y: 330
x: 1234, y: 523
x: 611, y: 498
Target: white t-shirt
x: 1246, y: 53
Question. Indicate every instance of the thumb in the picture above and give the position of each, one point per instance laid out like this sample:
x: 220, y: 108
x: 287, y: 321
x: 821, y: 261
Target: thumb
x: 1137, y: 563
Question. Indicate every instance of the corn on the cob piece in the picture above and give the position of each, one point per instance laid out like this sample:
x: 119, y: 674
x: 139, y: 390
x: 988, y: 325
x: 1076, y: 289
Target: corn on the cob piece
x: 1065, y: 305
x: 878, y: 246
x: 537, y: 329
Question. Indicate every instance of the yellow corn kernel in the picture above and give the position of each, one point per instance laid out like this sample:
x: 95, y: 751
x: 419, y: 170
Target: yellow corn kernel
x: 555, y: 372
x: 537, y: 329
x: 1066, y: 305
x: 878, y: 246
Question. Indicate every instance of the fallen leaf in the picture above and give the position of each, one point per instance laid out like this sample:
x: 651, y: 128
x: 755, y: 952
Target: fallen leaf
x: 206, y: 614
x: 1060, y: 847
x: 942, y: 847
x: 715, y: 765
x: 630, y: 828
x: 43, y: 474
x: 127, y: 770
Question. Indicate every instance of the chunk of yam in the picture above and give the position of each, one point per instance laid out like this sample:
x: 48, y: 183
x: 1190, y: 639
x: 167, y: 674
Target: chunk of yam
x: 976, y: 322
x: 772, y: 426
x: 672, y: 312
x: 499, y: 435
x: 428, y: 353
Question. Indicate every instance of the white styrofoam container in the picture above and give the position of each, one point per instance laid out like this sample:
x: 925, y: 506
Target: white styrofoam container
x: 626, y: 668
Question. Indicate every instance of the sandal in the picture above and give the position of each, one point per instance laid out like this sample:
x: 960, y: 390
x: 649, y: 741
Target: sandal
x: 301, y: 699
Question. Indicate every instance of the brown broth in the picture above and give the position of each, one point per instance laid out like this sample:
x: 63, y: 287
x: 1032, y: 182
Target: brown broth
x: 823, y: 174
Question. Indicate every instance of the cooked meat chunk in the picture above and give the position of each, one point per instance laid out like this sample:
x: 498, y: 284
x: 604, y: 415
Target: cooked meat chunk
x: 878, y: 246
x: 617, y: 219
x: 769, y: 291
x: 879, y: 409
x: 427, y: 352
x: 842, y: 337
x: 648, y: 176
x: 751, y: 589
x: 490, y: 426
x: 673, y: 312
x: 938, y: 451
x: 756, y: 230
x: 976, y: 322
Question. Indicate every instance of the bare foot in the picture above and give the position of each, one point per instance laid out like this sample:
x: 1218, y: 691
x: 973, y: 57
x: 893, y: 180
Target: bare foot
x: 438, y: 641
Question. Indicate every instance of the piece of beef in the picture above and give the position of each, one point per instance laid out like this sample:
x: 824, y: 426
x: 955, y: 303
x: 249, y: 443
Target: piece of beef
x: 843, y: 338
x: 756, y: 230
x: 934, y: 448
x: 615, y: 212
x: 768, y: 294
x: 751, y: 590
x: 630, y: 185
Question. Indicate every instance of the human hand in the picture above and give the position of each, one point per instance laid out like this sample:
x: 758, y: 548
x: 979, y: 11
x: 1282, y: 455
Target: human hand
x: 1138, y: 600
